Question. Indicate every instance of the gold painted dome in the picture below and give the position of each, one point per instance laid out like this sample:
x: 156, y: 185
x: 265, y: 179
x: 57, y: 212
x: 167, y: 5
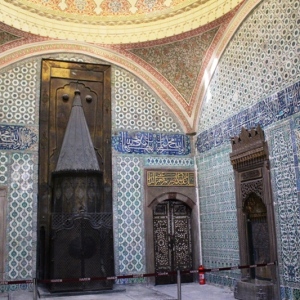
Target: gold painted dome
x: 111, y: 21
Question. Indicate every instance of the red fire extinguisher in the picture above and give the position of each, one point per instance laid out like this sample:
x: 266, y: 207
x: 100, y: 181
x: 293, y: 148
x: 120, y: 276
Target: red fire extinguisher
x: 201, y: 275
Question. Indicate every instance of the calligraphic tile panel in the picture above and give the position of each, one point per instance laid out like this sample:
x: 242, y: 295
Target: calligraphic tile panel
x: 152, y: 143
x: 171, y: 178
x: 276, y: 107
x: 15, y: 137
x: 136, y: 108
x: 128, y: 215
x: 262, y: 57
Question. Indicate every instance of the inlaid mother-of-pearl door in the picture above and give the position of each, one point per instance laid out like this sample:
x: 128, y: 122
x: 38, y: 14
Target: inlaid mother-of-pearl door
x: 172, y: 240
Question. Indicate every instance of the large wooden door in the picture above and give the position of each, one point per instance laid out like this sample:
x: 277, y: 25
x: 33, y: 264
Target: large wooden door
x: 60, y: 79
x: 172, y: 240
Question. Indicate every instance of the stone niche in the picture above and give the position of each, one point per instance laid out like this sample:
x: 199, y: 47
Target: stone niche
x: 255, y: 216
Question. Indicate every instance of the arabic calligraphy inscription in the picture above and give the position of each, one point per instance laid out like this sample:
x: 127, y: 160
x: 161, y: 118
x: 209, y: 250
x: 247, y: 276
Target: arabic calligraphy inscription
x: 152, y: 143
x: 14, y: 137
x: 158, y: 178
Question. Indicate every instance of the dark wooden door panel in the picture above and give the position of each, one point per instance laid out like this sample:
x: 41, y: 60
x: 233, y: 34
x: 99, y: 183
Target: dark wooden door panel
x: 172, y: 240
x: 60, y: 79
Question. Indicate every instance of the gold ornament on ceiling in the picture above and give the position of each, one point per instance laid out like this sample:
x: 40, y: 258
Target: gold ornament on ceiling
x: 112, y: 21
x: 113, y: 11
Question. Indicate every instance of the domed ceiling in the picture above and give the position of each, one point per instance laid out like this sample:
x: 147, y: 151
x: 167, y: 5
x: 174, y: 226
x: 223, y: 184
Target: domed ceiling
x: 112, y: 21
x: 172, y: 45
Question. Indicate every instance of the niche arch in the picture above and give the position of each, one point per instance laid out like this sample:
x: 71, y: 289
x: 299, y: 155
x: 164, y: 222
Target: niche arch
x: 258, y: 239
x: 175, y: 196
x: 255, y: 215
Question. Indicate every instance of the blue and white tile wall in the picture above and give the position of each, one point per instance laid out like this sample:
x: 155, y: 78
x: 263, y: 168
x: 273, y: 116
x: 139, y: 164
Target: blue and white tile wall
x: 138, y: 115
x: 284, y: 153
x: 18, y: 165
x: 218, y: 214
x: 257, y: 81
x: 262, y: 57
x: 145, y: 133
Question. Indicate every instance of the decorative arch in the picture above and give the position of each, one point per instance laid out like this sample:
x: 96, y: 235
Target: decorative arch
x: 254, y: 206
x: 258, y: 240
x: 174, y: 196
x: 109, y: 55
x: 255, y: 214
x: 200, y: 94
x: 188, y: 113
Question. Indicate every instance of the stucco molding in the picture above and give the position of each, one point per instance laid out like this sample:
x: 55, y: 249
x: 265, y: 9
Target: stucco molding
x: 113, y: 30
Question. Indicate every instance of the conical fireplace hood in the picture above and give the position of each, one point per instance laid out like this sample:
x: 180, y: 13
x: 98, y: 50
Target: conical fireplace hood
x: 77, y: 152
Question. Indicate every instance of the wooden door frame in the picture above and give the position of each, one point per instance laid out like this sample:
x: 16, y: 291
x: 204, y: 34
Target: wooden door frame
x: 250, y: 162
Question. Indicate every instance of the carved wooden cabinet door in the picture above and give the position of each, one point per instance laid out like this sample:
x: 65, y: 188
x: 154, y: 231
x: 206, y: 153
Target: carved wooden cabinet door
x: 172, y: 240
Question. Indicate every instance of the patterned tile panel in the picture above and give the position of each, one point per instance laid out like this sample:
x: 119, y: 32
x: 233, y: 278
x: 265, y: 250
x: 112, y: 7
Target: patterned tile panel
x: 179, y: 62
x: 218, y: 213
x: 136, y: 108
x: 272, y: 109
x: 128, y: 216
x: 20, y: 231
x: 287, y: 293
x: 16, y: 287
x: 262, y: 57
x: 284, y: 174
x: 4, y: 165
x: 167, y: 161
x: 18, y: 88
